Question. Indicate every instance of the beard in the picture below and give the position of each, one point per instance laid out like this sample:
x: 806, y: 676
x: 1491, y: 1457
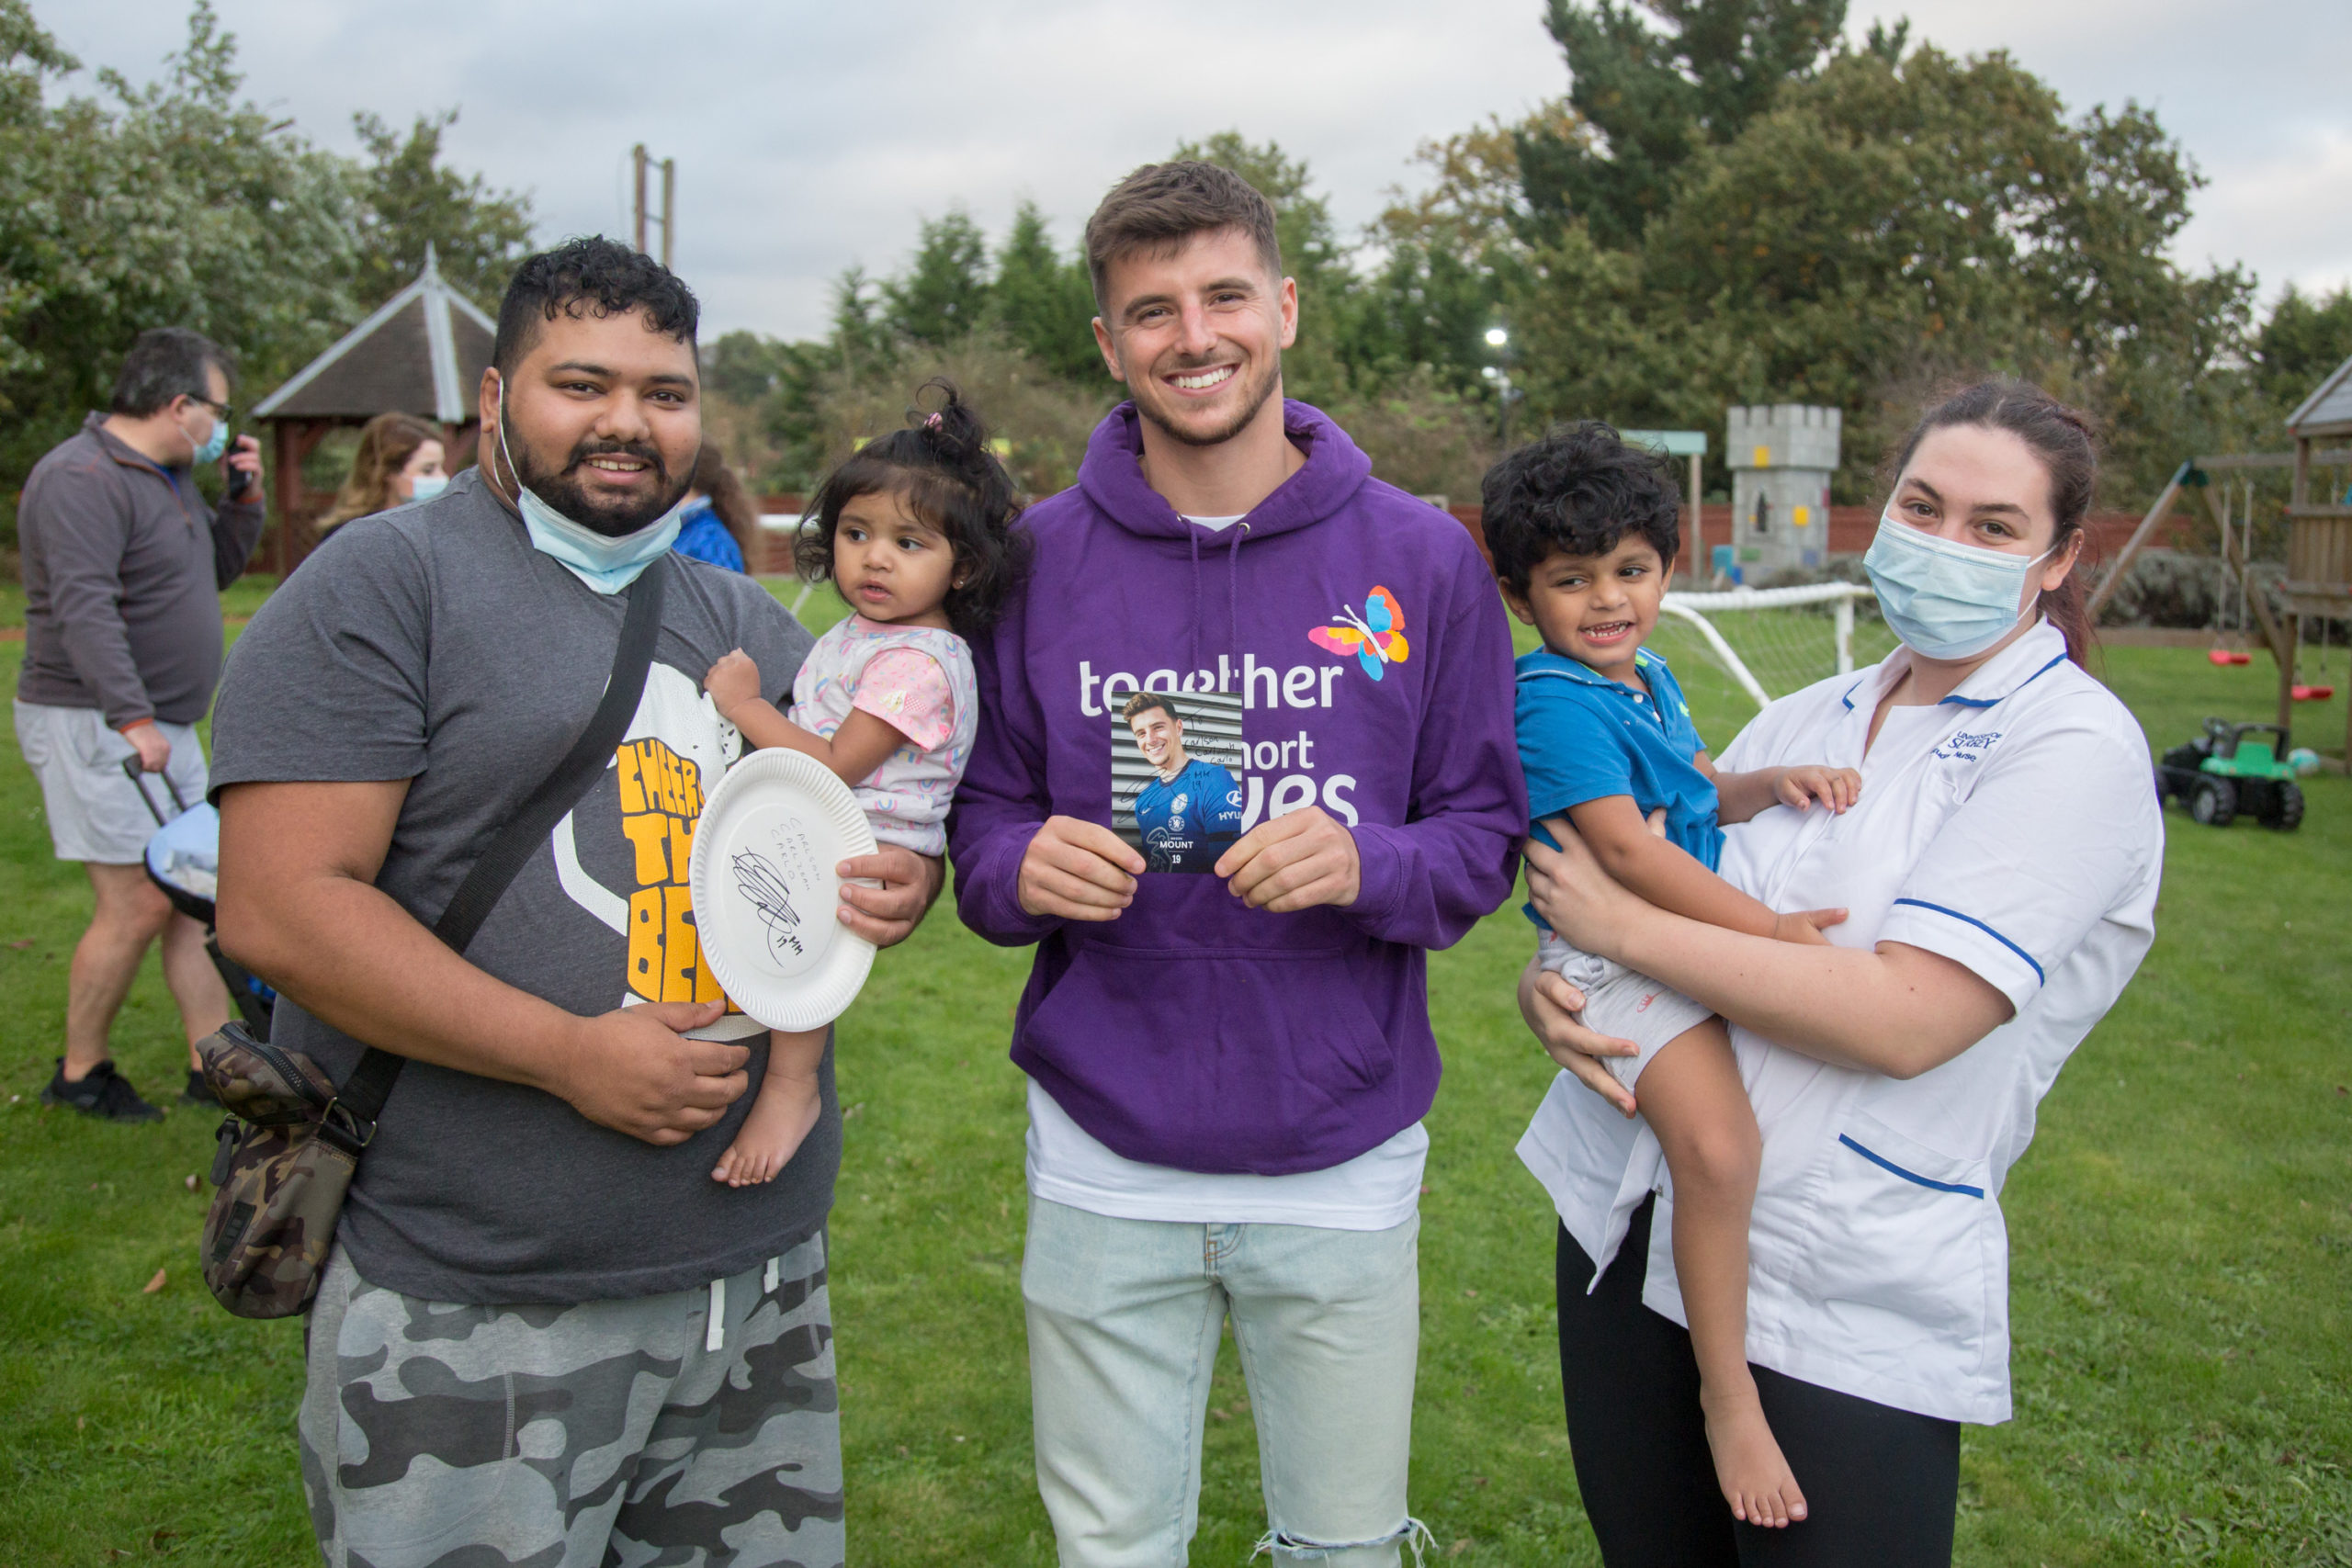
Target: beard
x: 1254, y: 394
x: 563, y: 489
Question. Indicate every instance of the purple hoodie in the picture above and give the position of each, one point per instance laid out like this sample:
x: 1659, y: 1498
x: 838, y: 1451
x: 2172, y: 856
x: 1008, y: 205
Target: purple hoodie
x: 1193, y: 1031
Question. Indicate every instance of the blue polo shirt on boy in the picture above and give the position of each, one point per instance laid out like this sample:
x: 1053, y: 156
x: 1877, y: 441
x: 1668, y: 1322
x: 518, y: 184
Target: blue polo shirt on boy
x: 1583, y: 737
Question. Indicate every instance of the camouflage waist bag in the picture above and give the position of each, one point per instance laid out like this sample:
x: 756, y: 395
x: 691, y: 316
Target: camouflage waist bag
x: 286, y: 1155
x: 292, y: 1141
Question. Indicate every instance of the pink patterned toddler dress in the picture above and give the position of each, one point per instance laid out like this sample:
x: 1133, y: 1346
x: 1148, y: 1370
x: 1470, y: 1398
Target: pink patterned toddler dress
x: 917, y: 679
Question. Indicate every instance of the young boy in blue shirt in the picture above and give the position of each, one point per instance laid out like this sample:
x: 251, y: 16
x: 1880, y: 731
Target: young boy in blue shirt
x: 1584, y: 531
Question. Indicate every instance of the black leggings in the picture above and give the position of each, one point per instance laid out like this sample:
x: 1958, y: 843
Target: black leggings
x: 1881, y: 1484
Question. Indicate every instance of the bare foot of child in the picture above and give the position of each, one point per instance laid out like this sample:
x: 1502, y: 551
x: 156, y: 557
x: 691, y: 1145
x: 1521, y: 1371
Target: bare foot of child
x: 1756, y: 1478
x: 780, y: 1117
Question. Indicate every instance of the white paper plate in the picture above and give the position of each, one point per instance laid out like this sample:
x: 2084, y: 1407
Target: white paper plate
x: 764, y: 889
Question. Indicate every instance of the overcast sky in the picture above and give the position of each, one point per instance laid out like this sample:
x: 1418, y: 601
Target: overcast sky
x: 811, y: 136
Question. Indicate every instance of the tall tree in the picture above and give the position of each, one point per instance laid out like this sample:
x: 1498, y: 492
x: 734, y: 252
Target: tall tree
x: 1044, y: 300
x: 1454, y: 251
x: 944, y: 293
x: 2306, y: 337
x: 174, y: 203
x: 1657, y: 96
x: 183, y: 203
x: 859, y: 331
x: 412, y: 199
x: 1885, y: 226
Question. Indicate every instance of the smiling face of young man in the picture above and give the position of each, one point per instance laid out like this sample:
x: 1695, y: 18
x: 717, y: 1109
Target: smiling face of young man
x: 1197, y: 334
x: 601, y: 420
x: 1161, y: 737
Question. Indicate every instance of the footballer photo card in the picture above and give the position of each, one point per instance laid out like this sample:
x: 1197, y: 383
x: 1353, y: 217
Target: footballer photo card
x: 1176, y: 759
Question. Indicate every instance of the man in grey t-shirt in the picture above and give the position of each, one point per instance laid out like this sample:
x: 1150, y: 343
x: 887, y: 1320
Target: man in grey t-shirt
x: 546, y: 1333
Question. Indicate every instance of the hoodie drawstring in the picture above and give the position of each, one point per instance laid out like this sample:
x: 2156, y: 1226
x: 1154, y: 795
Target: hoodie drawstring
x: 1233, y: 593
x: 1193, y: 537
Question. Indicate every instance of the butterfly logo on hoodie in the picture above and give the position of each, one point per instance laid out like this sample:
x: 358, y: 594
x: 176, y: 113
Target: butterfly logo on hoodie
x: 1375, y: 636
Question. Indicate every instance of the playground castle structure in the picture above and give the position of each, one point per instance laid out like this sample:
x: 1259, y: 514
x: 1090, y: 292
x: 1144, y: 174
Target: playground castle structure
x: 1781, y: 458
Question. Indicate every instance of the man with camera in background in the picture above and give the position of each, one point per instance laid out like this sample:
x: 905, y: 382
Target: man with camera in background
x: 123, y: 563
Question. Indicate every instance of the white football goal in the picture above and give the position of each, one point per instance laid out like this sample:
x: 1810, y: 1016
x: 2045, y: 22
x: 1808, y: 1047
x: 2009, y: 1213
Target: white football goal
x: 1773, y: 641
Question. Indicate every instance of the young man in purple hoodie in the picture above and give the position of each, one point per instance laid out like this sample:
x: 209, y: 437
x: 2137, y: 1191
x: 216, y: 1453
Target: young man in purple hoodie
x: 1229, y: 1072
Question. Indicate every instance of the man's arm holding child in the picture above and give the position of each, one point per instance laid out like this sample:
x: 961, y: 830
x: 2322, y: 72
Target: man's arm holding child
x: 856, y: 749
x: 1668, y: 876
x: 1743, y: 797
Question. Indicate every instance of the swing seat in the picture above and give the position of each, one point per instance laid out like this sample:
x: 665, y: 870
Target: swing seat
x: 2311, y: 694
x: 2224, y: 656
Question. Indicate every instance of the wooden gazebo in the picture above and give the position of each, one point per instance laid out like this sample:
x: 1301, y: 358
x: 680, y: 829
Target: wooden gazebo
x: 422, y: 352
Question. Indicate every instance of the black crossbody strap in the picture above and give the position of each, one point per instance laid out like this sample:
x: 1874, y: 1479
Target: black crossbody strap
x: 370, y: 1083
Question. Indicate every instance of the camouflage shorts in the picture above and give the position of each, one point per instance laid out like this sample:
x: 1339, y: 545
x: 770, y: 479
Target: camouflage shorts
x: 610, y: 1433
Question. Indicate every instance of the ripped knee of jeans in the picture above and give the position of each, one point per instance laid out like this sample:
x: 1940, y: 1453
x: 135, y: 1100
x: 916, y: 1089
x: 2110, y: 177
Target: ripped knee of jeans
x: 1284, y: 1547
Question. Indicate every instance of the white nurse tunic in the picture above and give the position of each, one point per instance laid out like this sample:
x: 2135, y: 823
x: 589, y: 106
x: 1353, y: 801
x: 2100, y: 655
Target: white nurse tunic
x: 2011, y: 827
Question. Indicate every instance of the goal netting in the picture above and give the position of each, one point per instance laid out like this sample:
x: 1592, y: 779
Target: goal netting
x: 1773, y: 641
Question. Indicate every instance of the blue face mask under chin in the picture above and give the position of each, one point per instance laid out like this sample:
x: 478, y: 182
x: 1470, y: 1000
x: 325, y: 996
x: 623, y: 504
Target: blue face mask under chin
x: 605, y: 563
x: 1946, y: 600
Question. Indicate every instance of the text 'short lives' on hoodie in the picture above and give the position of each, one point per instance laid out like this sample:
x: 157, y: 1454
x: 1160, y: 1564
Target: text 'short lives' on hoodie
x: 1193, y: 1031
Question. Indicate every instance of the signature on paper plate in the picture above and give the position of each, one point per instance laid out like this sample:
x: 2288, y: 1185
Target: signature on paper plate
x: 760, y: 881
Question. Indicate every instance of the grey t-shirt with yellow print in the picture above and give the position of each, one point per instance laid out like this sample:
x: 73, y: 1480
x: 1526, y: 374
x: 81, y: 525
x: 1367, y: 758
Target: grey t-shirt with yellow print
x: 433, y: 644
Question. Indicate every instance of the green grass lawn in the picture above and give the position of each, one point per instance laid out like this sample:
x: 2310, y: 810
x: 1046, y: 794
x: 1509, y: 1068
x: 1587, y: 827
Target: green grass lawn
x: 2181, y: 1234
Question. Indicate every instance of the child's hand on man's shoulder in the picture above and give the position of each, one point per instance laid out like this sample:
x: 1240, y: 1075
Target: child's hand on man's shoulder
x: 733, y: 681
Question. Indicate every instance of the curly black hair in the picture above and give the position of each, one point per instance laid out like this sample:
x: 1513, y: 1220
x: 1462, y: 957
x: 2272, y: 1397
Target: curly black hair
x: 1578, y: 489
x: 941, y: 465
x: 590, y: 276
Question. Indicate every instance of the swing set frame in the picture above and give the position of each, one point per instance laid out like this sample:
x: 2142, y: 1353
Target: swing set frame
x: 2319, y: 546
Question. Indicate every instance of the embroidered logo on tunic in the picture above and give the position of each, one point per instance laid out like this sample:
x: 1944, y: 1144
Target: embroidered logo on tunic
x: 1966, y: 747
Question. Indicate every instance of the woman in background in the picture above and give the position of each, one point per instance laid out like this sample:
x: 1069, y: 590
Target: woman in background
x: 721, y: 524
x: 399, y: 459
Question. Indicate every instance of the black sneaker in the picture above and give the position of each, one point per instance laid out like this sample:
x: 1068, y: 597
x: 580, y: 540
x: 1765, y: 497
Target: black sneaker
x: 197, y: 1091
x: 103, y: 1093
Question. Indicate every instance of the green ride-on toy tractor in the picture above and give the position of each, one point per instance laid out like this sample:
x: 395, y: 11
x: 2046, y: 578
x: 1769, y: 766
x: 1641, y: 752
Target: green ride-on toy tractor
x: 2234, y: 770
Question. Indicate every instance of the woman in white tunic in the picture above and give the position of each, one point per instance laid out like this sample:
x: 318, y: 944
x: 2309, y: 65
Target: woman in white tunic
x: 1999, y: 882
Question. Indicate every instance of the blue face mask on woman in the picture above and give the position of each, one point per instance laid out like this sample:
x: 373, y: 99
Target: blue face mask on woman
x: 1945, y: 600
x: 424, y: 487
x: 605, y: 563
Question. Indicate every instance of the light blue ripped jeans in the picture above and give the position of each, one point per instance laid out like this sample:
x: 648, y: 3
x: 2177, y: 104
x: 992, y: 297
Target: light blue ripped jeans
x: 1124, y: 1321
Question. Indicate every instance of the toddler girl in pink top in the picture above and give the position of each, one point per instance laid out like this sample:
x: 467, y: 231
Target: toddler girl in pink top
x: 916, y: 532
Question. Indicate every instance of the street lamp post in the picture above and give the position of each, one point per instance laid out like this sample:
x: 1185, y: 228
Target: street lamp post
x: 1499, y: 373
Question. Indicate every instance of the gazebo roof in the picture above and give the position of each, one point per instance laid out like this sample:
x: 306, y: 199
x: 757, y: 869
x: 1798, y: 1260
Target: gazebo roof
x: 2329, y: 407
x: 422, y: 352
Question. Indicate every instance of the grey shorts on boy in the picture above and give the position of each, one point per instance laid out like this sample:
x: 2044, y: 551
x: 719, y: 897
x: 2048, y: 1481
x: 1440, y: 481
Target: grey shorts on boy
x: 1620, y: 1002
